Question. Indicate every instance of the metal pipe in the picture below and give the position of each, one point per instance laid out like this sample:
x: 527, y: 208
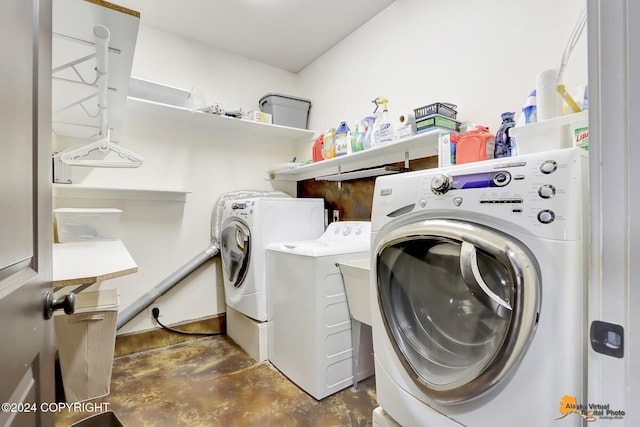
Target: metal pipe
x: 160, y: 289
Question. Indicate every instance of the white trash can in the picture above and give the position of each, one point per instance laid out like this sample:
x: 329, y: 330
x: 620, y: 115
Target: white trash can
x: 86, y: 343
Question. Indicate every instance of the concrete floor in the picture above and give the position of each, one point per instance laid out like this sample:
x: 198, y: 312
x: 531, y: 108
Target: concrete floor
x: 213, y: 382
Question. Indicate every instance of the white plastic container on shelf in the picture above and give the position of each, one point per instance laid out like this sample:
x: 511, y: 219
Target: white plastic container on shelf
x: 286, y: 110
x: 156, y: 92
x: 83, y: 224
x: 552, y: 134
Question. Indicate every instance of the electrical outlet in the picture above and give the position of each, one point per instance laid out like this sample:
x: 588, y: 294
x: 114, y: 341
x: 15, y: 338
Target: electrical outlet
x: 150, y: 312
x: 336, y: 215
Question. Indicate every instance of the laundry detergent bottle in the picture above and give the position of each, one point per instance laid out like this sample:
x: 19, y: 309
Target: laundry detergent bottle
x: 328, y: 145
x: 342, y: 139
x: 475, y: 145
x: 316, y: 151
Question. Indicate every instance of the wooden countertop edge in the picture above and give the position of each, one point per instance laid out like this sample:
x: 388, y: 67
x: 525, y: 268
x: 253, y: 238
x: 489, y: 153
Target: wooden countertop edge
x: 93, y: 279
x: 115, y: 7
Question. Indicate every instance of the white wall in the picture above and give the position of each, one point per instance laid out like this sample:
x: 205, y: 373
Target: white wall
x: 162, y: 236
x: 481, y: 55
x: 230, y: 80
x: 484, y: 56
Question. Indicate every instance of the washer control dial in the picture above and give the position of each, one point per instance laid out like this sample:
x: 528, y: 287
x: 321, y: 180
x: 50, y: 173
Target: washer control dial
x: 548, y: 166
x: 346, y: 230
x: 440, y: 184
x: 547, y: 191
x: 501, y: 179
x: 546, y: 216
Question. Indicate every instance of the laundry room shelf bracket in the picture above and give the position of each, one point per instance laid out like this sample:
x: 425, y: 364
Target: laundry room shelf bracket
x: 99, y: 82
x: 75, y: 156
x: 87, y: 58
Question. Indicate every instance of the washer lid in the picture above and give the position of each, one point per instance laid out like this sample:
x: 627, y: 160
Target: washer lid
x: 318, y: 248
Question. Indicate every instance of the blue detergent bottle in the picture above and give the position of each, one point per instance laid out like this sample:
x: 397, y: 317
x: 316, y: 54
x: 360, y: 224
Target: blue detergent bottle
x: 342, y: 134
x: 504, y: 142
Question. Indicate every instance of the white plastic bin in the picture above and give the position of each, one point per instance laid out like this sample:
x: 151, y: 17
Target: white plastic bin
x: 553, y: 134
x: 86, y: 343
x: 286, y: 110
x: 82, y: 224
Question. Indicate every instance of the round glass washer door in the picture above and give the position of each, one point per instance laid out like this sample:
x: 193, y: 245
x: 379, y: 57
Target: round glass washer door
x: 459, y: 302
x: 235, y: 242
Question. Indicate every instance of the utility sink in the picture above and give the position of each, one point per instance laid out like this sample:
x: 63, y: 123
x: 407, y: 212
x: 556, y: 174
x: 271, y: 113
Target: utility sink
x: 356, y: 283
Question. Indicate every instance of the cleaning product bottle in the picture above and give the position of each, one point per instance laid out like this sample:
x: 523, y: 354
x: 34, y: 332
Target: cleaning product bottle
x: 475, y: 145
x: 383, y: 129
x: 504, y: 142
x: 529, y: 109
x: 328, y: 146
x: 358, y: 135
x: 316, y: 151
x: 341, y: 139
x: 368, y: 132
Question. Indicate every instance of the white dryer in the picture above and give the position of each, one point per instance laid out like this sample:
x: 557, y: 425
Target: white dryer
x: 309, y: 328
x: 479, y: 292
x: 248, y: 226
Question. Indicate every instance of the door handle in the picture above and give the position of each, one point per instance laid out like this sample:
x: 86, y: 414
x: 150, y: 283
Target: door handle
x: 471, y: 275
x: 51, y: 304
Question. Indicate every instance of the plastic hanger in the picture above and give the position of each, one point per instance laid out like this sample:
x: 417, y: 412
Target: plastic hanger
x: 75, y: 156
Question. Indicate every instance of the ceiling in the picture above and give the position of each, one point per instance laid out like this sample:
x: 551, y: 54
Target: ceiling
x: 288, y: 34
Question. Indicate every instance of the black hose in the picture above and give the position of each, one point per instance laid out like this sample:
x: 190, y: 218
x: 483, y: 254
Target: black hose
x: 156, y: 314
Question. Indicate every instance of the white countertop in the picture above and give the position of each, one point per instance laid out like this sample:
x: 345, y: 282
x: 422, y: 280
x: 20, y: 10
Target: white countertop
x: 81, y: 263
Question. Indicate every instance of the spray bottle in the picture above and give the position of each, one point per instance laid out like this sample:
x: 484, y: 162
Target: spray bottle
x: 382, y: 129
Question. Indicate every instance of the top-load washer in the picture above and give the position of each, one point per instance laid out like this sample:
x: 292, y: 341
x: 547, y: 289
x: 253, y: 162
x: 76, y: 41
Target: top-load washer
x: 479, y: 279
x: 248, y: 227
x: 309, y: 328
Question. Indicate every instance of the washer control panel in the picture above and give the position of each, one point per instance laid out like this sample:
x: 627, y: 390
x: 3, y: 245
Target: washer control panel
x: 240, y: 208
x: 347, y: 230
x: 544, y: 192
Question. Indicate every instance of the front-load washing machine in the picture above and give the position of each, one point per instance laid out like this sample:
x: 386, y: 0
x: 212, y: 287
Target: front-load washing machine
x: 479, y: 279
x: 309, y: 328
x: 248, y: 226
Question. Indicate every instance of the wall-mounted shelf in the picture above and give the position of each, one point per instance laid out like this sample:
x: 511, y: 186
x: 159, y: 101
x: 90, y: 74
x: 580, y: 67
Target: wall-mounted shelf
x: 79, y: 191
x: 158, y: 113
x: 414, y: 147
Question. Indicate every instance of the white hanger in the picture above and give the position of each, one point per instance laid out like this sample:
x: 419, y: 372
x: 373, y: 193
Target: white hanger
x: 74, y: 156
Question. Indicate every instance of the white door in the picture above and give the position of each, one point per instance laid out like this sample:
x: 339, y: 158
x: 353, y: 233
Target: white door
x: 235, y: 251
x: 27, y: 347
x: 459, y: 302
